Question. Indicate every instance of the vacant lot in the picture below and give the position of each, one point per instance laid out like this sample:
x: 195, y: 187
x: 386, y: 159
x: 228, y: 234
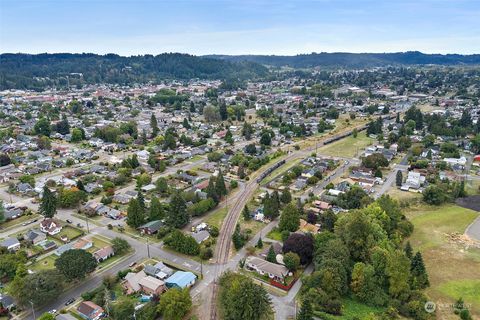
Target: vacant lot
x: 347, y: 147
x: 452, y: 260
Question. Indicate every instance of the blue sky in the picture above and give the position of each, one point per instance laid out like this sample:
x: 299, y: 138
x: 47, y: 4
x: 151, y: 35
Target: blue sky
x: 130, y: 27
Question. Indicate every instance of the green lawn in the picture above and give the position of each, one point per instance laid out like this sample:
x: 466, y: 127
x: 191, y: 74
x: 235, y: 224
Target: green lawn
x: 70, y: 232
x: 347, y: 147
x: 46, y: 263
x: 453, y: 265
x: 216, y: 218
x: 351, y: 309
x: 275, y: 234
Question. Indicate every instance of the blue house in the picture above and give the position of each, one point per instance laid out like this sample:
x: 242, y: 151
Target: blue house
x: 181, y: 279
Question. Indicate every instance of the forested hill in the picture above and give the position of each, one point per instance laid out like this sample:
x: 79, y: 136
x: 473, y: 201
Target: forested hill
x: 36, y: 72
x: 356, y: 60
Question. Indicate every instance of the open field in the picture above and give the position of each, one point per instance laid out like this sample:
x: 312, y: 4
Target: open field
x: 453, y: 263
x: 70, y: 232
x: 216, y: 218
x: 347, y: 147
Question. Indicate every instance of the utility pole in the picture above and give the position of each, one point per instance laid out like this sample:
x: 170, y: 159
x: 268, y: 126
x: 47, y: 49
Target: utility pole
x: 148, y: 249
x: 33, y: 310
x: 201, y: 268
x: 86, y: 221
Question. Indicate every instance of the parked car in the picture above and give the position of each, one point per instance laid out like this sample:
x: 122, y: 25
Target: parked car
x: 69, y: 221
x: 70, y: 301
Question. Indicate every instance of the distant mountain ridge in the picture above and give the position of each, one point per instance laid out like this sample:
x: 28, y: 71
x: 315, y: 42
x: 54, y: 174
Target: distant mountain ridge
x: 355, y: 60
x: 38, y: 71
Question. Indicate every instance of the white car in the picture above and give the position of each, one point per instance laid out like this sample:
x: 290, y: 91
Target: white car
x: 53, y: 311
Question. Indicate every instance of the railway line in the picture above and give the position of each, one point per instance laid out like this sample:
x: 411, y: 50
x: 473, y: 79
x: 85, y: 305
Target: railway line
x: 224, y: 240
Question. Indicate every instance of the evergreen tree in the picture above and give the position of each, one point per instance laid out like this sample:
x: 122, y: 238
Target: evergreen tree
x: 185, y: 124
x: 399, y: 178
x: 80, y: 185
x: 290, y: 218
x: 270, y: 208
x: 397, y: 120
x: 154, y: 125
x: 271, y: 256
x: 48, y: 205
x: 141, y: 201
x: 408, y: 250
x: 135, y: 216
x: 238, y: 238
x: 260, y: 243
x: 211, y: 190
x: 246, y: 213
x: 223, y: 111
x: 156, y: 210
x: 419, y: 272
x: 306, y: 312
x: 286, y: 196
x: 220, y: 187
x: 177, y: 215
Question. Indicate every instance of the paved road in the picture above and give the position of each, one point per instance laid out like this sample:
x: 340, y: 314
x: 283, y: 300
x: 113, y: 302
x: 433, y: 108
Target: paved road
x: 392, y: 176
x: 473, y: 230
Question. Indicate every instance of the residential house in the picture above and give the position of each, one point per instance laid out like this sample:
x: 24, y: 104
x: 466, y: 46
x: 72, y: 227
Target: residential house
x: 103, y: 254
x: 35, y: 236
x: 274, y: 271
x: 201, y: 236
x: 181, y: 279
x: 7, y: 301
x: 12, y: 244
x: 151, y: 227
x: 306, y: 227
x: 131, y: 281
x: 90, y: 311
x: 159, y: 270
x: 151, y: 285
x: 50, y: 226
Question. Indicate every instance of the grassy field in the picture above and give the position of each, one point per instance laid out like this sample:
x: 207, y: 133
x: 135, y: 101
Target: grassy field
x: 275, y: 234
x: 46, y: 263
x: 216, y: 218
x: 351, y: 310
x: 400, y: 195
x: 453, y: 264
x: 347, y: 147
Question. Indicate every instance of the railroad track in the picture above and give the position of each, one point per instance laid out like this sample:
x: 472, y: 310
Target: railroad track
x: 224, y: 241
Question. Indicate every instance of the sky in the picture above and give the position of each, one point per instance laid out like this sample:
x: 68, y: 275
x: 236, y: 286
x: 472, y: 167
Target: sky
x: 200, y: 27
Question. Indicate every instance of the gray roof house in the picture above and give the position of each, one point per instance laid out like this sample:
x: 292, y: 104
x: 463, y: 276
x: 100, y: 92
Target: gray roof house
x: 11, y: 244
x: 35, y: 236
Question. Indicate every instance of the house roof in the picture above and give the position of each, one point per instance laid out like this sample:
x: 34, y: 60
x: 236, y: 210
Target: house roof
x: 181, y: 279
x: 151, y: 283
x: 133, y: 279
x: 268, y: 267
x: 9, y: 242
x: 89, y: 308
x: 104, y: 252
x: 153, y: 225
x: 201, y: 236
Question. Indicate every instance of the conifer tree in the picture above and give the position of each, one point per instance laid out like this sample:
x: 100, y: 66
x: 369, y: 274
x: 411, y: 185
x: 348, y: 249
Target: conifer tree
x: 211, y: 190
x: 246, y: 213
x: 271, y: 256
x: 260, y: 243
x: 408, y: 250
x: 156, y: 210
x: 306, y: 312
x: 135, y: 217
x: 177, y: 215
x: 154, y: 125
x: 220, y: 187
x: 419, y: 272
x: 48, y: 205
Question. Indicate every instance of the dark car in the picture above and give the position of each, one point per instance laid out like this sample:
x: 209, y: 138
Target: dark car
x: 70, y: 301
x: 69, y: 221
